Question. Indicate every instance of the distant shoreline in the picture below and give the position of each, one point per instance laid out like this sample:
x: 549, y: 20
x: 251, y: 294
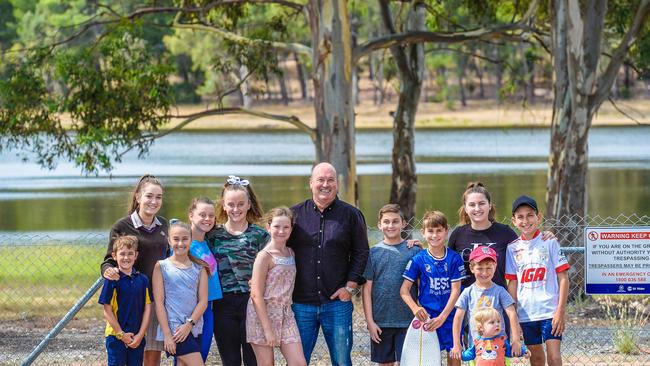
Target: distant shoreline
x: 478, y: 114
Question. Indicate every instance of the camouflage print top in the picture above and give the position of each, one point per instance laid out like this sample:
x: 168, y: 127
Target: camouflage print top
x: 235, y: 255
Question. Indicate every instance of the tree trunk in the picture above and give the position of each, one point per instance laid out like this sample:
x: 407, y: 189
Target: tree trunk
x: 332, y: 78
x: 576, y: 51
x: 244, y: 88
x: 300, y: 69
x: 380, y: 89
x: 627, y: 83
x: 479, y: 74
x: 529, y: 73
x: 498, y: 71
x: 410, y: 65
x: 284, y: 92
x: 579, y: 92
x: 462, y: 64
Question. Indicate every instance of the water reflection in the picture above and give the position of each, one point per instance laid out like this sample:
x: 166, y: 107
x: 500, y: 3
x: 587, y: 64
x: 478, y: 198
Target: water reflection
x: 510, y: 162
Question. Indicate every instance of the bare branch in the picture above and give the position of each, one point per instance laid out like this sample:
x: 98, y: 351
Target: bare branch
x: 420, y: 37
x: 474, y: 55
x: 224, y: 111
x: 281, y: 46
x: 391, y: 40
x: 399, y: 54
x: 189, y: 118
x: 607, y: 78
x: 626, y: 62
x: 543, y: 41
x: 289, y: 4
x: 624, y: 113
x: 234, y: 88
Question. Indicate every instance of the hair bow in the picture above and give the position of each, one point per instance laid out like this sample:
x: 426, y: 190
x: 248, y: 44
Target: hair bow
x: 236, y: 181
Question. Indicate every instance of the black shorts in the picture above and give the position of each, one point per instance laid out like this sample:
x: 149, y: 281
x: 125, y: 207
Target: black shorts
x: 390, y: 347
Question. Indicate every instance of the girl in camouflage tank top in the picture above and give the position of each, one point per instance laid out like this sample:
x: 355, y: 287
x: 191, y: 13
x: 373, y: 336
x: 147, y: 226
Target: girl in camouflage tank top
x: 234, y: 244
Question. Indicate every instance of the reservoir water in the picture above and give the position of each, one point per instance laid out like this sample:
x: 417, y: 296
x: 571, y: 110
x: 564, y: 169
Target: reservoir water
x: 510, y: 162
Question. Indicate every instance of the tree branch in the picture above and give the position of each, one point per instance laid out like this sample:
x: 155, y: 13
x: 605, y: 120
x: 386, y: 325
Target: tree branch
x: 281, y: 46
x: 624, y: 113
x: 399, y: 54
x: 474, y: 55
x: 189, y: 118
x: 289, y: 4
x: 452, y: 37
x: 626, y: 62
x: 607, y: 78
x: 139, y: 13
x: 421, y: 37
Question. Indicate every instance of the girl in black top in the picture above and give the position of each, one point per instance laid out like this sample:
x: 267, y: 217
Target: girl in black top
x: 142, y: 222
x: 479, y: 227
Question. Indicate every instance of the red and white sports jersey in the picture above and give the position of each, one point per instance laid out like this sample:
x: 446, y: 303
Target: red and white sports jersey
x: 535, y: 264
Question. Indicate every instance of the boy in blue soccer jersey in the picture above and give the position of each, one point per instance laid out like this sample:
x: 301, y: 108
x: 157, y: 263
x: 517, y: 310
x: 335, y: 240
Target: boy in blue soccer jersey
x: 127, y: 306
x: 439, y: 272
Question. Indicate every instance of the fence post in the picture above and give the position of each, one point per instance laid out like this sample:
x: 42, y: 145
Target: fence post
x: 63, y: 322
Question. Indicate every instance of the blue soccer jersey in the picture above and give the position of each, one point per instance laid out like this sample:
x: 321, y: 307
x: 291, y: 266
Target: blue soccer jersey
x: 436, y: 276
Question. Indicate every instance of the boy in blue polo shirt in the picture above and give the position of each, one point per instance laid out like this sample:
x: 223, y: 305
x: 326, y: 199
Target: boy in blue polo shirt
x: 127, y: 306
x: 439, y: 271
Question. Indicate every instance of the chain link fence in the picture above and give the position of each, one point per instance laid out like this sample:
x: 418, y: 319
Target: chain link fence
x: 43, y: 276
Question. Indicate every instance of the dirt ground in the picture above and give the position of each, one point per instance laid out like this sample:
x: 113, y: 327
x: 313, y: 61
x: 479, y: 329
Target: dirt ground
x: 587, y: 341
x: 477, y: 114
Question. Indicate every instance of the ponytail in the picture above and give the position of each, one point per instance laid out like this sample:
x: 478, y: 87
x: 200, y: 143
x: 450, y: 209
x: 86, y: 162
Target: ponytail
x: 475, y: 187
x: 145, y: 179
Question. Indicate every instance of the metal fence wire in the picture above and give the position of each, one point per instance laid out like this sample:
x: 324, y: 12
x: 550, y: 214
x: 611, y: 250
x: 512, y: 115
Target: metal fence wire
x: 43, y: 276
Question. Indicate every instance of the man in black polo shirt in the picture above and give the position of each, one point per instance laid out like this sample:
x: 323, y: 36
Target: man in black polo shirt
x: 330, y: 241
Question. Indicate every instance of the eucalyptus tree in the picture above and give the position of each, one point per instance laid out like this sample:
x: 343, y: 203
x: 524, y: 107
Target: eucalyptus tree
x: 587, y: 56
x: 98, y: 131
x: 408, y: 54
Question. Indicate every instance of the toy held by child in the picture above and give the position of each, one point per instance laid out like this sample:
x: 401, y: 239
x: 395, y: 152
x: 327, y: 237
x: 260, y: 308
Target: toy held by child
x: 491, y: 347
x: 538, y: 280
x: 269, y: 319
x: 439, y: 271
x: 127, y: 306
x: 181, y: 296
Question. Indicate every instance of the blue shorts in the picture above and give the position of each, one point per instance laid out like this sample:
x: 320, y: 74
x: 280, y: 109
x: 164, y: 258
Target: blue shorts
x: 538, y: 332
x: 119, y: 354
x: 390, y: 348
x: 445, y: 334
x: 191, y: 344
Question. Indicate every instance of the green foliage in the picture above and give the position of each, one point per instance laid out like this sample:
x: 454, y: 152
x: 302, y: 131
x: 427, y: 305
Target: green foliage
x: 50, y: 20
x: 642, y: 53
x: 113, y: 93
x: 7, y: 25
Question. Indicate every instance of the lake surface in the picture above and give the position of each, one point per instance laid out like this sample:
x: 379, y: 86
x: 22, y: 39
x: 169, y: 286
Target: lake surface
x: 510, y: 162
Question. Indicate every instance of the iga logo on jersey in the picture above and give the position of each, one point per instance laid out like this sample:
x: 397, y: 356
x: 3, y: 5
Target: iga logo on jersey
x: 533, y: 276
